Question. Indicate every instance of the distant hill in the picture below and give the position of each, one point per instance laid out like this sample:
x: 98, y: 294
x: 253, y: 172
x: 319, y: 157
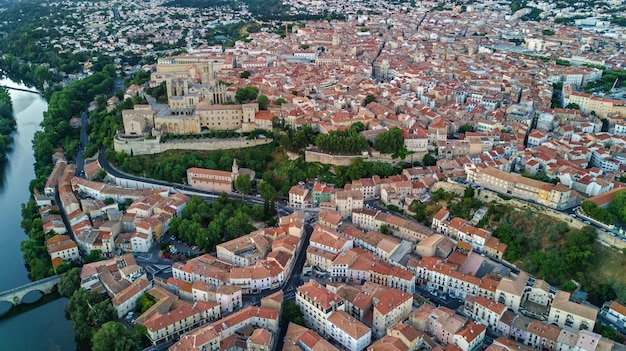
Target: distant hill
x: 264, y: 10
x: 199, y: 3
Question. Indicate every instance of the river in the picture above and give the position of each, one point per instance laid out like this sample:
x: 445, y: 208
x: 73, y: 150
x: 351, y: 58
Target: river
x: 41, y: 325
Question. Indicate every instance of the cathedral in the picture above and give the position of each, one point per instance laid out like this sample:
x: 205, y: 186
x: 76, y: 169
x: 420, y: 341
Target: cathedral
x: 195, y: 103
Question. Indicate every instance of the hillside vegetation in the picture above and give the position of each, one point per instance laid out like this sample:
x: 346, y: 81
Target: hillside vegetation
x: 551, y: 250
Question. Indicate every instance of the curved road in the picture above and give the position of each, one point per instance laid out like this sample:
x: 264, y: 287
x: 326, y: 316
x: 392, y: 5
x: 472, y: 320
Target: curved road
x: 292, y: 281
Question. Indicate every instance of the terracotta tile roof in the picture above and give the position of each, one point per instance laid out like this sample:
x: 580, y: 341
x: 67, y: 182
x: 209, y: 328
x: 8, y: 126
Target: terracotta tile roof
x: 619, y: 308
x: 391, y: 300
x: 472, y: 331
x: 319, y: 294
x: 349, y: 325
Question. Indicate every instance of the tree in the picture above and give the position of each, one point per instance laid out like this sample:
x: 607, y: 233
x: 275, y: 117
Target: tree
x: 280, y: 101
x: 88, y: 312
x: 429, y: 160
x: 573, y: 106
x: 356, y: 170
x: 244, y: 74
x: 262, y: 100
x: 70, y: 282
x: 237, y: 225
x: 369, y: 98
x: 269, y: 194
x: 466, y: 128
x: 291, y: 314
x: 390, y: 142
x: 101, y: 313
x: 243, y: 184
x: 569, y: 286
x: 357, y: 127
x: 342, y: 142
x: 246, y: 94
x: 94, y: 256
x: 145, y: 302
x: 114, y: 336
x: 384, y: 228
x: 267, y: 191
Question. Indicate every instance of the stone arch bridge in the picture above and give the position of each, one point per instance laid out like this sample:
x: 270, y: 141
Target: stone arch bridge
x: 16, y: 295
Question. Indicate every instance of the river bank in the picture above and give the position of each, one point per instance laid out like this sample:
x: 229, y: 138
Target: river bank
x: 42, y: 325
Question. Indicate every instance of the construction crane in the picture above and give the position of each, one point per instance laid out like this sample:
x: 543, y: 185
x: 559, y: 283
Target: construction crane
x: 286, y: 29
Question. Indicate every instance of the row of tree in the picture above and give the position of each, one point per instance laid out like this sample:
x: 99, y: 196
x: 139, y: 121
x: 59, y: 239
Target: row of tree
x: 34, y: 249
x: 294, y: 141
x: 342, y: 142
x: 7, y: 123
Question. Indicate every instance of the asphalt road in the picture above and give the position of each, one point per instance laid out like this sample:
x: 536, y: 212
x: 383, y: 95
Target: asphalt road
x: 80, y: 161
x: 152, y: 258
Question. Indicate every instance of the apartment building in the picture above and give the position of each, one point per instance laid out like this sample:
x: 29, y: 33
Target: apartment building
x: 557, y: 196
x: 471, y: 337
x: 214, y: 336
x: 348, y: 200
x: 321, y: 260
x: 126, y: 300
x: 566, y: 313
x: 415, y: 140
x: 329, y: 240
x: 462, y: 285
x: 317, y: 304
x: 299, y: 337
x: 542, y: 336
x: 348, y: 331
x: 601, y: 106
x: 263, y: 275
x: 186, y: 317
x: 392, y: 276
x: 616, y: 313
x: 407, y: 334
x: 322, y: 193
x: 228, y: 297
x: 203, y: 268
x: 341, y: 263
x: 244, y: 251
x: 299, y: 196
x: 62, y: 249
x: 369, y: 187
x: 510, y: 291
x: 392, y: 307
x: 402, y: 228
x: 484, y: 311
x: 329, y: 218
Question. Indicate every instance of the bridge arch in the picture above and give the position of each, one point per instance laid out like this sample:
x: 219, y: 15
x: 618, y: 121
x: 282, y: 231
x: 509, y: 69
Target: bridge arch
x: 16, y: 295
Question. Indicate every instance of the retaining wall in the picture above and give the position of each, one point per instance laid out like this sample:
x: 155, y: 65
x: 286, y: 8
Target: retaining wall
x: 154, y: 146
